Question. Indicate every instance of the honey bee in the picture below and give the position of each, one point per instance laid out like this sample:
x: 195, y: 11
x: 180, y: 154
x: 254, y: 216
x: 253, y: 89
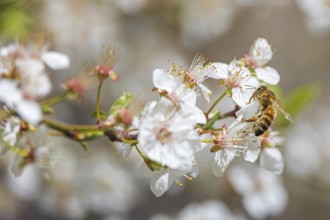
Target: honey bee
x: 267, y: 112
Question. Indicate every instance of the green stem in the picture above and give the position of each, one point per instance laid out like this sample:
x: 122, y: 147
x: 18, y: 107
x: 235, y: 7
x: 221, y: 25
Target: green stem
x: 141, y: 154
x: 216, y: 102
x: 55, y: 100
x: 65, y: 128
x: 207, y: 141
x: 20, y: 152
x: 98, y: 99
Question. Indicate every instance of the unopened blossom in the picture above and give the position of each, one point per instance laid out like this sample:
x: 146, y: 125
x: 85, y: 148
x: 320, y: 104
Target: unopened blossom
x: 263, y: 193
x: 260, y: 54
x: 167, y: 136
x: 232, y: 141
x: 238, y: 79
x: 178, y: 93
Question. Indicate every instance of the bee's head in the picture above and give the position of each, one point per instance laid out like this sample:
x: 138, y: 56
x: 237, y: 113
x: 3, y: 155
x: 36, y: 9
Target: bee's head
x: 258, y: 93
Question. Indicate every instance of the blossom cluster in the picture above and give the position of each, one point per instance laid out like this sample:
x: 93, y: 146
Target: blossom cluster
x: 173, y: 135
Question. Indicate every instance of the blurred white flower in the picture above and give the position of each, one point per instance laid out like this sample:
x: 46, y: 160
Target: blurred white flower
x: 41, y: 154
x: 35, y: 82
x: 108, y: 188
x: 27, y: 186
x: 260, y: 54
x: 202, y: 21
x: 263, y: 192
x: 317, y: 14
x: 238, y: 79
x: 130, y: 6
x: 307, y: 149
x: 178, y: 93
x: 228, y: 143
x: 12, y: 96
x: 207, y: 210
x: 167, y: 136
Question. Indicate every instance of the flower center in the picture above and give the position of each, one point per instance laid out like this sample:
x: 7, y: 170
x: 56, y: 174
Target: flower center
x: 232, y: 81
x: 163, y: 135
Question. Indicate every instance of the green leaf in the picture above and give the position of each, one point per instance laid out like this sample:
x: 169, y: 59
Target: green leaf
x: 298, y: 100
x: 84, y: 145
x: 122, y: 102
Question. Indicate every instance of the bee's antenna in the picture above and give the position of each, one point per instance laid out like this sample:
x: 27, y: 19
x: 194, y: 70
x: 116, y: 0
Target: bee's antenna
x: 250, y: 87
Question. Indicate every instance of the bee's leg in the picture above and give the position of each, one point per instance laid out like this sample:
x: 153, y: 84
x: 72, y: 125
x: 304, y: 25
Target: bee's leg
x: 253, y: 119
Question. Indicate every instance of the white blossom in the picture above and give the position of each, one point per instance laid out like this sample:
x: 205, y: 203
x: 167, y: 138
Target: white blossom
x: 263, y: 192
x: 238, y: 79
x: 228, y: 143
x: 178, y: 93
x: 260, y: 54
x: 207, y: 210
x: 317, y: 15
x: 167, y: 136
x: 41, y: 154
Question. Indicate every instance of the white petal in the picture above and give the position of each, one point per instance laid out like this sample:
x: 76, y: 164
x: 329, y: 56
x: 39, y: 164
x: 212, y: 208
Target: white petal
x: 9, y: 91
x: 249, y: 110
x: 269, y: 75
x: 221, y: 161
x: 27, y: 186
x: 241, y: 96
x: 199, y: 116
x: 160, y: 183
x: 30, y: 68
x: 221, y: 70
x: 261, y: 51
x: 56, y: 60
x: 255, y: 205
x: 29, y: 111
x: 242, y: 182
x: 15, y: 167
x: 205, y: 91
x: 163, y: 80
x: 253, y: 151
x: 126, y: 149
x: 271, y: 159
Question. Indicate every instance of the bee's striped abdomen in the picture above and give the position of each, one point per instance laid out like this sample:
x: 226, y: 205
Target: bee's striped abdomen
x: 265, y: 120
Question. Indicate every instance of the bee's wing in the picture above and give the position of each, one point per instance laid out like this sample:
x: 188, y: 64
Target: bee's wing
x: 280, y: 107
